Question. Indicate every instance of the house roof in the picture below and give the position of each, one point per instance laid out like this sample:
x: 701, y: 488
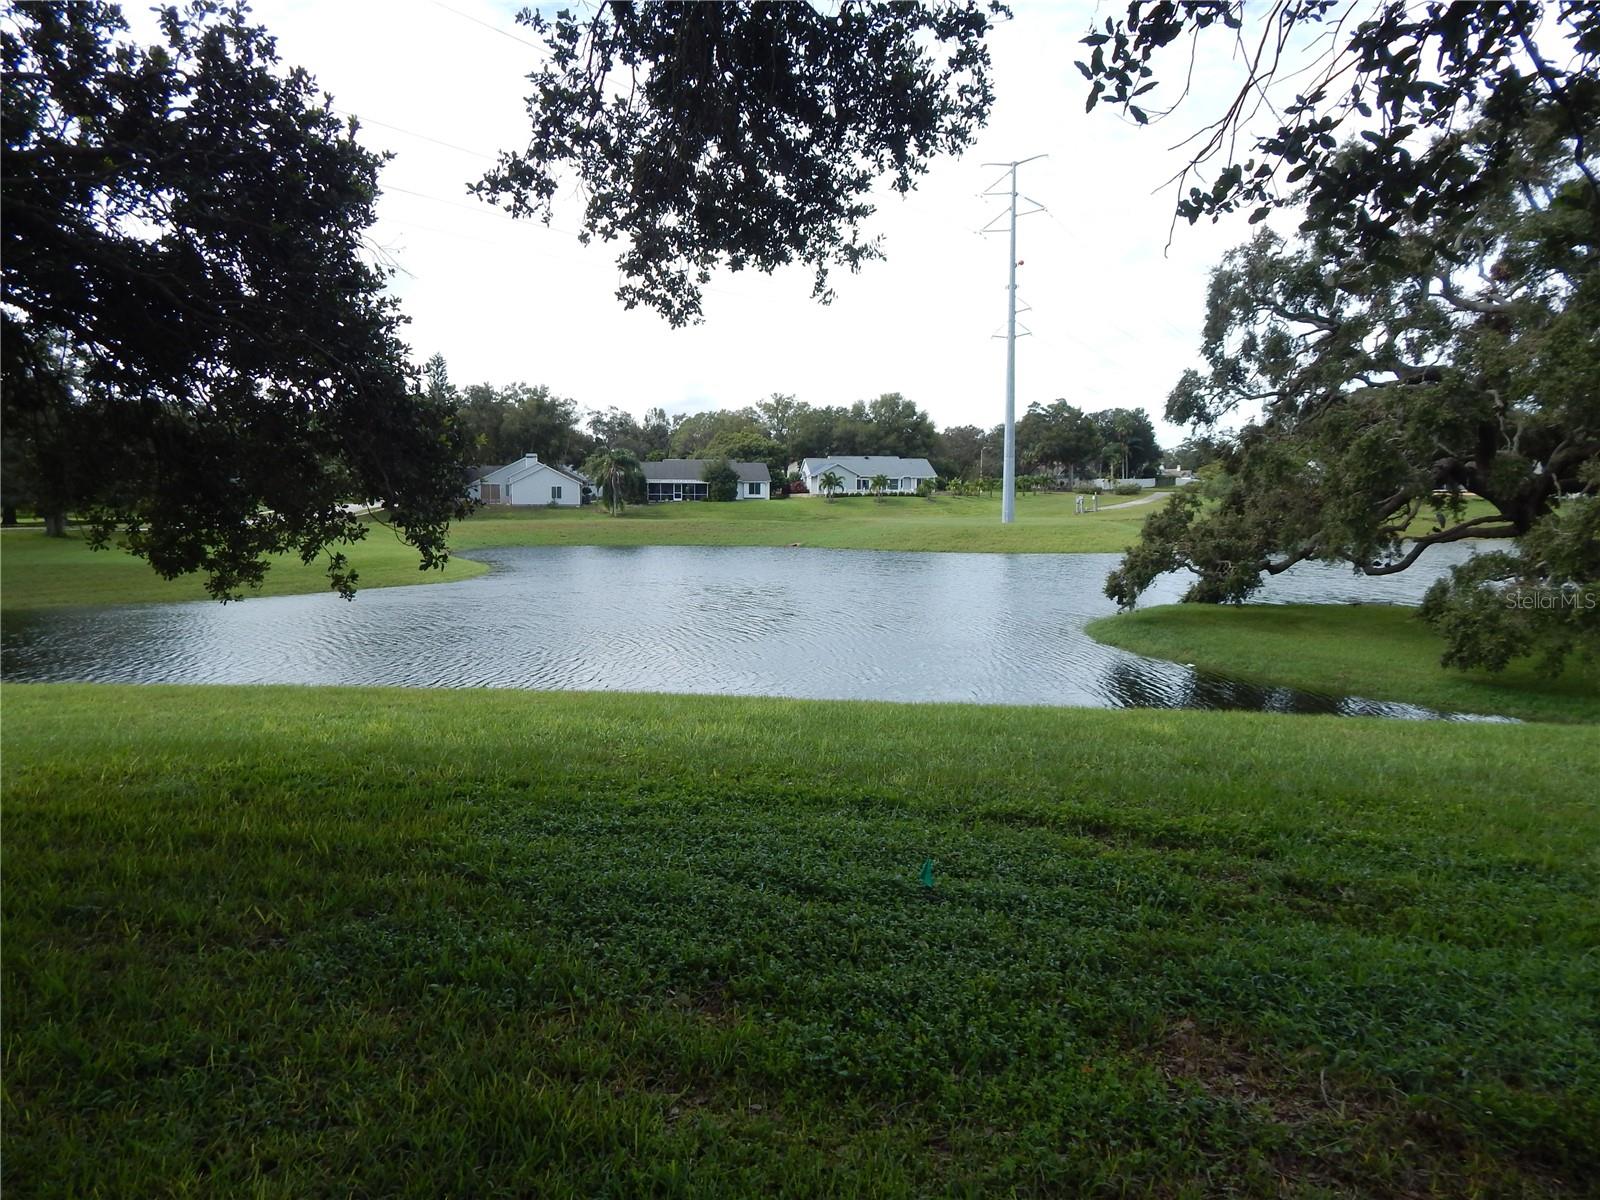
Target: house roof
x: 871, y: 464
x: 526, y: 465
x: 678, y: 470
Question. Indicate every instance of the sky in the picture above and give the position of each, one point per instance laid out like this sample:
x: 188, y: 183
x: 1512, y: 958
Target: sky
x: 1115, y: 314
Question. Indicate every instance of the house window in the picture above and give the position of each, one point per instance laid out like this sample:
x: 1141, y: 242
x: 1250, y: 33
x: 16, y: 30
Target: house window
x: 863, y: 484
x: 555, y: 492
x: 752, y: 489
x: 491, y: 493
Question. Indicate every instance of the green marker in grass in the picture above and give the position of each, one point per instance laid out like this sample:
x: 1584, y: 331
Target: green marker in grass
x: 927, y: 873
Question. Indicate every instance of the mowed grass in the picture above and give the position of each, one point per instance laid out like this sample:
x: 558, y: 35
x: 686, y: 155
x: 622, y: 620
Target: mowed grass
x: 1045, y: 524
x: 41, y: 572
x: 1383, y: 652
x: 301, y: 942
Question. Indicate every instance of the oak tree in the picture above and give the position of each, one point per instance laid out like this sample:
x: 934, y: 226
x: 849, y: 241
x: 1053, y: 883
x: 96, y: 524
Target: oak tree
x: 741, y: 134
x: 197, y: 348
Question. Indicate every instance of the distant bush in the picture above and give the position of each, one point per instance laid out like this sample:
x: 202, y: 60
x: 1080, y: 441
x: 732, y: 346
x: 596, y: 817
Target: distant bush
x: 926, y: 487
x: 1127, y: 489
x: 1087, y: 489
x: 722, y: 481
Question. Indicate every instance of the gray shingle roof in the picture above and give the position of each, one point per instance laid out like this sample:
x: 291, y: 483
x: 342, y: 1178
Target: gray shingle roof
x: 691, y: 469
x: 871, y: 464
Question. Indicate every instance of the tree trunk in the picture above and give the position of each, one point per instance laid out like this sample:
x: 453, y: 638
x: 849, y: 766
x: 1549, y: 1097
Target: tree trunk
x: 8, y: 515
x: 55, y: 524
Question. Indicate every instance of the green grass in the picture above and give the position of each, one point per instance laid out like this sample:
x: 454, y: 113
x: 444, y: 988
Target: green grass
x: 1382, y: 652
x: 1426, y: 522
x: 1045, y: 524
x: 301, y: 942
x: 41, y: 572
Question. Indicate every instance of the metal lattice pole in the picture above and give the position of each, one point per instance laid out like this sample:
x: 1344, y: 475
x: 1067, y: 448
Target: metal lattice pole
x: 1008, y: 486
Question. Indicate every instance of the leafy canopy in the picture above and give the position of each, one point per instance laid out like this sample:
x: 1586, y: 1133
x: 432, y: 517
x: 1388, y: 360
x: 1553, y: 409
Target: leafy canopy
x: 1356, y: 96
x: 1461, y: 361
x: 722, y: 481
x: 196, y: 349
x: 742, y: 134
x: 619, y: 475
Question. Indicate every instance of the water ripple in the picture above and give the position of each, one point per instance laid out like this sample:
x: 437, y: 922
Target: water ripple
x: 999, y: 629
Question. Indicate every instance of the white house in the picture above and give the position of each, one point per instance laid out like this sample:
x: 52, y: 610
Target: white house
x: 528, y: 481
x: 856, y: 472
x: 683, y: 479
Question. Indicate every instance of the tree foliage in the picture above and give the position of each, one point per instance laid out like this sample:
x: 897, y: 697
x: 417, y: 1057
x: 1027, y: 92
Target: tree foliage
x: 646, y: 438
x: 742, y: 134
x: 196, y: 349
x: 751, y: 447
x: 1357, y: 97
x: 1058, y: 435
x: 617, y: 472
x: 694, y: 434
x: 964, y: 451
x: 1463, y: 360
x: 722, y: 481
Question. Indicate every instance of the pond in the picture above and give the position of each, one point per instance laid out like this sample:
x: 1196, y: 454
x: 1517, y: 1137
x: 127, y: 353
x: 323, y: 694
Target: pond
x: 821, y: 624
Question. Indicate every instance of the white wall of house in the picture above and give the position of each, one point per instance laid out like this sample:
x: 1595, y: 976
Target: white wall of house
x: 902, y: 478
x: 530, y: 482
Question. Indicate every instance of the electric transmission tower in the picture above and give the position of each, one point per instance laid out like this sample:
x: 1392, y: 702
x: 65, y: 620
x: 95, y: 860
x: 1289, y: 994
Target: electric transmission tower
x: 1008, y: 487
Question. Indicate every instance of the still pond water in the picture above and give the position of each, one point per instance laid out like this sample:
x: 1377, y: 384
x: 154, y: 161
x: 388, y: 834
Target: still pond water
x: 868, y: 625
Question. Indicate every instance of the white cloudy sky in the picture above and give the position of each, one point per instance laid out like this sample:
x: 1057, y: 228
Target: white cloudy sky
x: 1114, y: 318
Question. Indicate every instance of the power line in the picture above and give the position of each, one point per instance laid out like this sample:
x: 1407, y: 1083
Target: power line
x: 413, y: 133
x: 486, y: 25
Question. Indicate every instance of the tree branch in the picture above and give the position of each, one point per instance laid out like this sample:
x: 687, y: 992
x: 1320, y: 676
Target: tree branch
x: 1476, y: 527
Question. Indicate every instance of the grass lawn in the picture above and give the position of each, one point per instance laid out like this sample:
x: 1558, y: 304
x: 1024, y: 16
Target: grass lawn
x: 1045, y: 524
x: 302, y: 942
x: 1379, y: 651
x: 1426, y: 522
x: 41, y: 572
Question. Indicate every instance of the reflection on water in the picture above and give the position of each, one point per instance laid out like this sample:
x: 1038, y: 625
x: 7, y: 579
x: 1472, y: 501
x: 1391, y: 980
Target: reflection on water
x: 867, y: 625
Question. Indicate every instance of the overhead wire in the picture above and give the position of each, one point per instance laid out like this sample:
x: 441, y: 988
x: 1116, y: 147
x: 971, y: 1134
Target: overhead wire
x: 505, y: 33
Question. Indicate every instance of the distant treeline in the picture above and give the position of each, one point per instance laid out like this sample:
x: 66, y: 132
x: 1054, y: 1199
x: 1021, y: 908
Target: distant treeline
x: 508, y: 422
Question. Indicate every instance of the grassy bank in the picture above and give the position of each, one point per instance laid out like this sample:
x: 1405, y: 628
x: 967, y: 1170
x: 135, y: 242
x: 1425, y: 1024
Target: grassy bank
x: 41, y: 572
x: 1045, y: 524
x: 332, y: 942
x: 1380, y: 651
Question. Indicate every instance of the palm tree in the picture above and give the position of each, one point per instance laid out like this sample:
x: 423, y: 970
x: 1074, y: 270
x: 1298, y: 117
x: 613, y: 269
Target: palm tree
x: 614, y: 469
x: 880, y: 485
x: 830, y: 483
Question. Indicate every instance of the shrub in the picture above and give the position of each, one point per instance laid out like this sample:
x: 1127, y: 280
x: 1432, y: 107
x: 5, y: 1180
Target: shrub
x: 1087, y: 489
x: 1127, y: 489
x: 721, y: 479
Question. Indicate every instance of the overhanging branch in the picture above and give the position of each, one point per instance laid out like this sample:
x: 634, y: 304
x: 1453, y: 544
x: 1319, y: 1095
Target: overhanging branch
x: 1476, y: 527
